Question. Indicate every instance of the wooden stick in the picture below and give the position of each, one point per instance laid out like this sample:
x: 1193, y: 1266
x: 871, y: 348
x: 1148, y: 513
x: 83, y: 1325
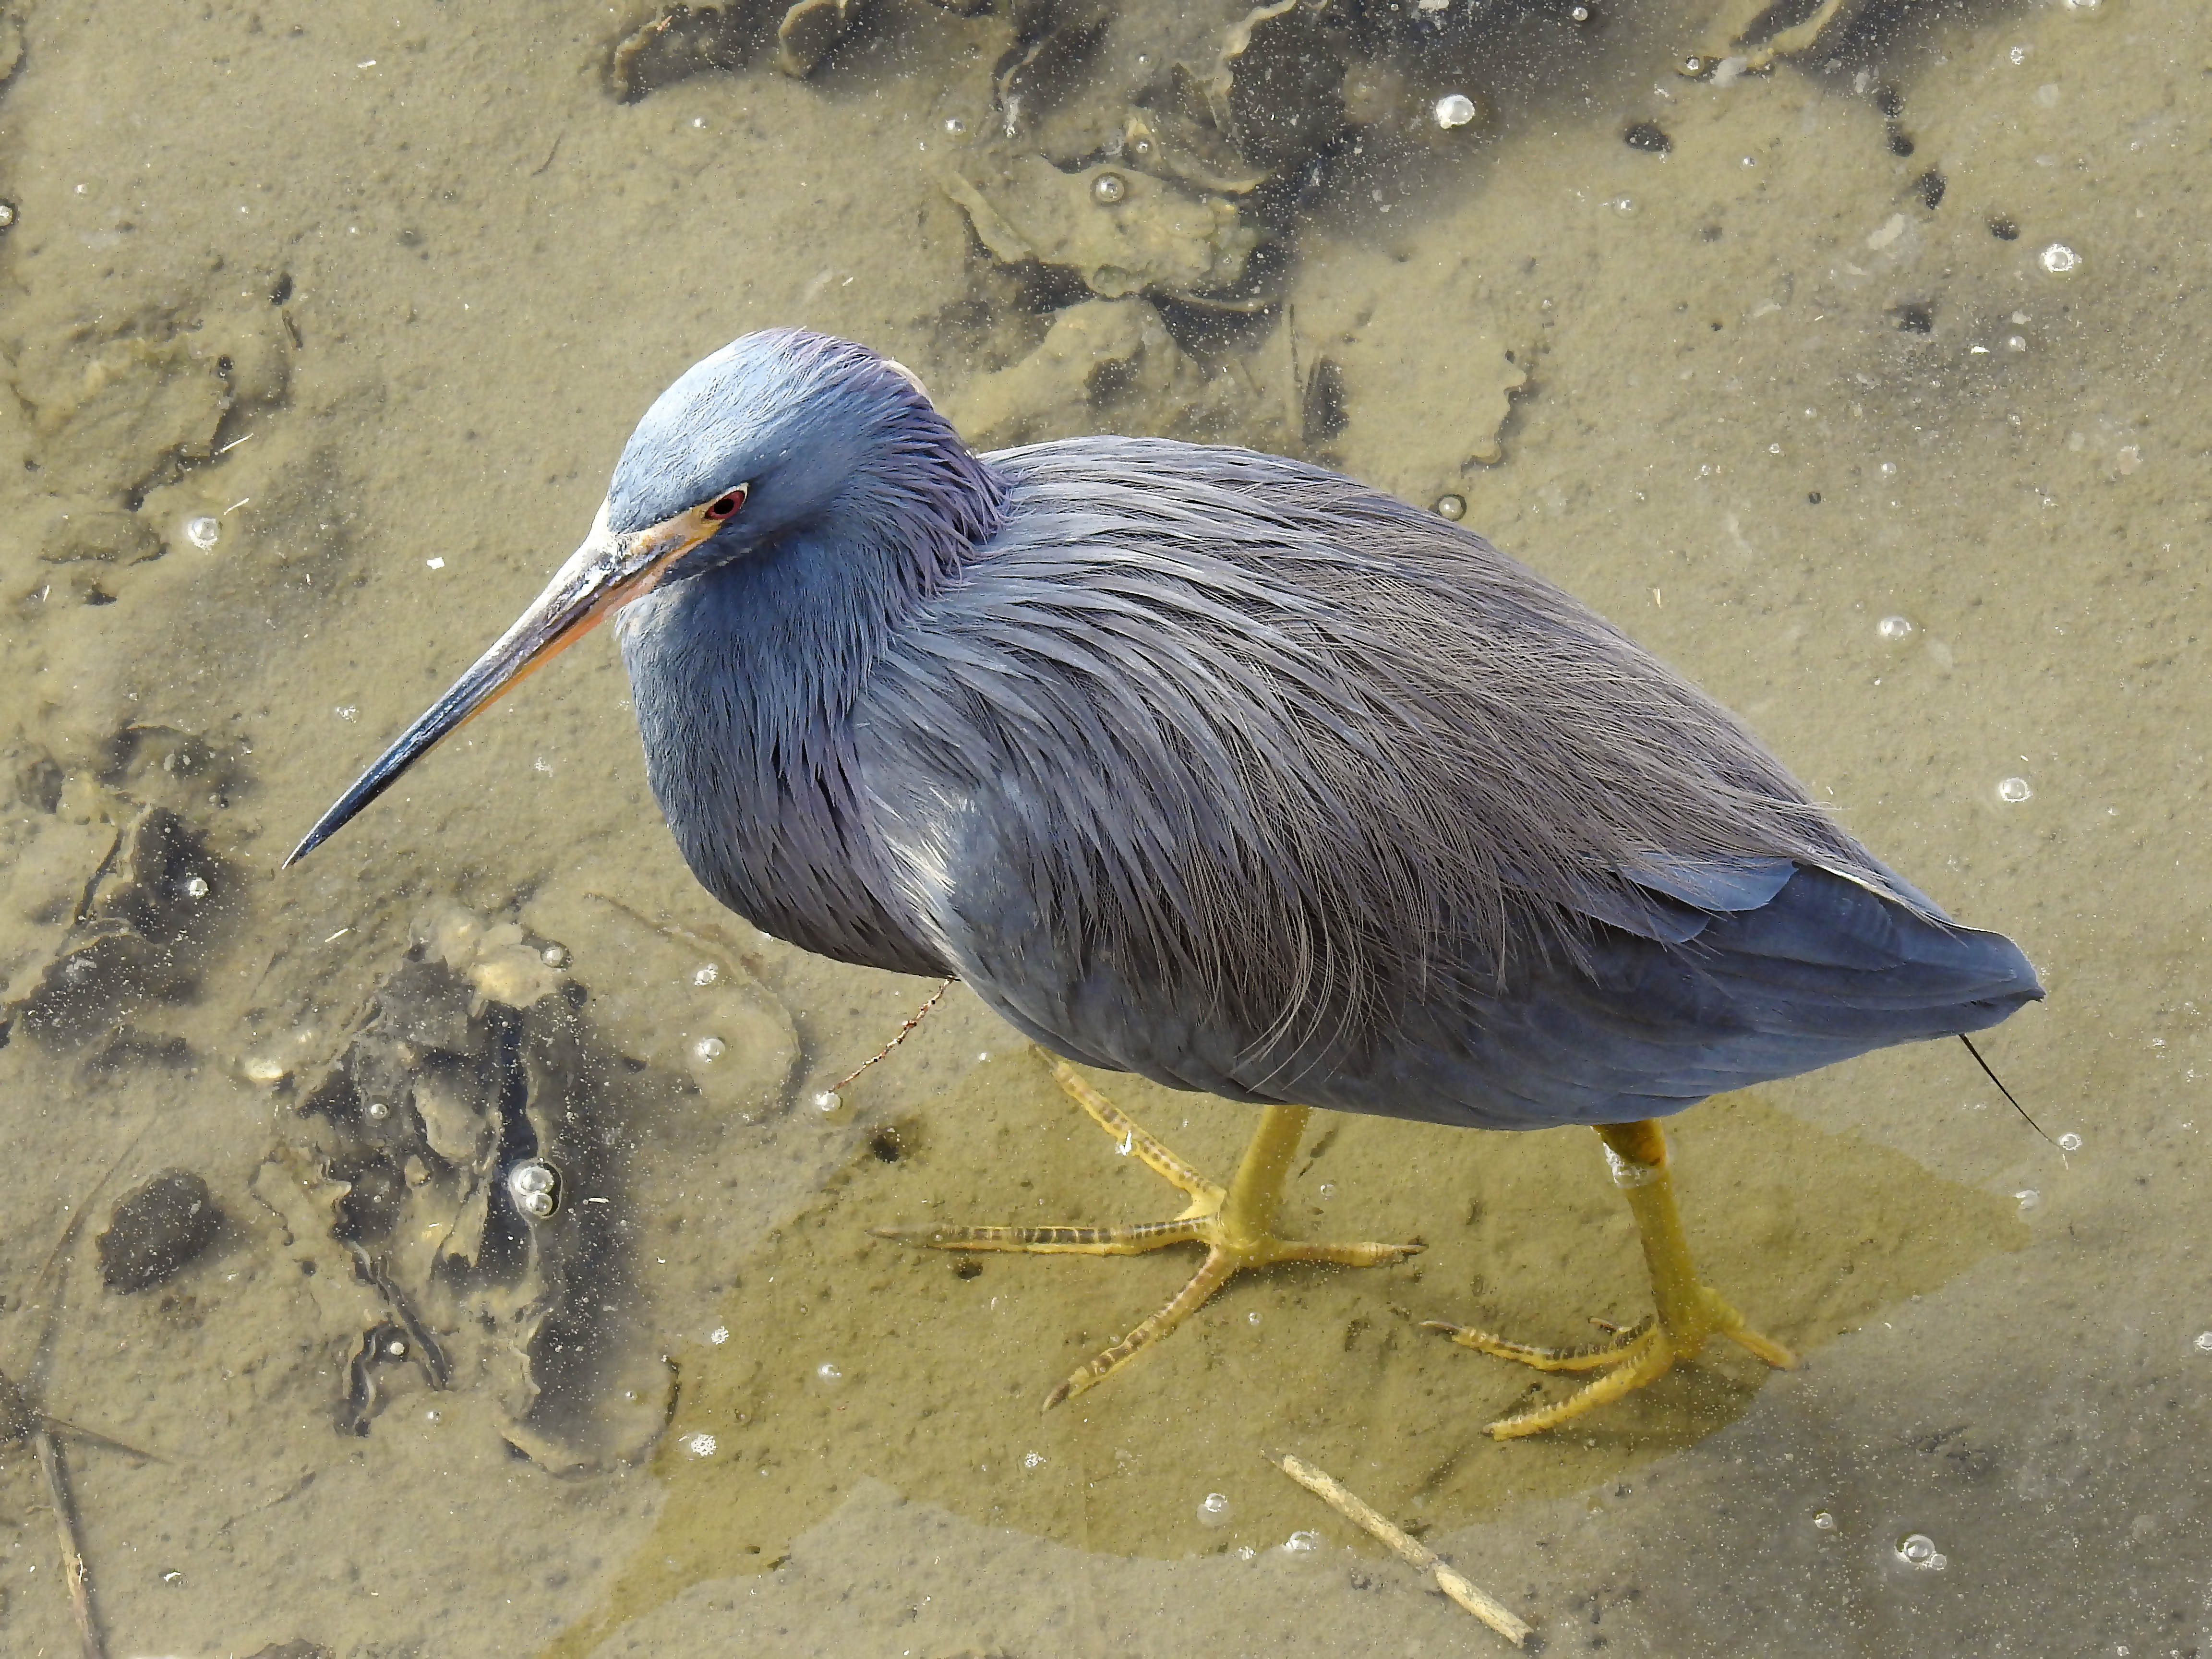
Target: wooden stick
x: 1332, y: 1492
x: 90, y: 1643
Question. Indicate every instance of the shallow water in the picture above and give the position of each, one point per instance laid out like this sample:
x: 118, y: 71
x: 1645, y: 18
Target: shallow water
x: 414, y: 270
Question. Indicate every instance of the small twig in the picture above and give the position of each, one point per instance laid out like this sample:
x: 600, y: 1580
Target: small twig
x: 898, y: 1038
x: 23, y: 1416
x: 1331, y: 1492
x: 65, y: 1523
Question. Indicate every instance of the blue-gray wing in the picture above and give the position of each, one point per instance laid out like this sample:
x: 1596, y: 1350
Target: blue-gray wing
x: 1253, y: 781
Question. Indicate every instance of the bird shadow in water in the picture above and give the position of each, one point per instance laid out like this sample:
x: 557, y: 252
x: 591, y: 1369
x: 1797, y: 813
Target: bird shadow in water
x: 936, y: 1365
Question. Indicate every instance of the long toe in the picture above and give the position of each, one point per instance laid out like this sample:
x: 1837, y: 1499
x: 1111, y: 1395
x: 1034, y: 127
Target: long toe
x: 1648, y: 1358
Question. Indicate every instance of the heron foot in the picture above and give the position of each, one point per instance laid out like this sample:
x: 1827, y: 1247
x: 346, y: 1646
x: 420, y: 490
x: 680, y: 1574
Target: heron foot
x: 1689, y: 1312
x: 1631, y: 1357
x: 1235, y: 1224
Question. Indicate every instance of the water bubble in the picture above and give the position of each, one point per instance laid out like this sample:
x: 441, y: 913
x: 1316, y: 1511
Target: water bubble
x: 1245, y: 1551
x: 2015, y: 790
x: 535, y: 1186
x: 2029, y: 1199
x: 2204, y: 1341
x: 829, y: 1373
x: 1579, y: 13
x: 554, y: 956
x: 1917, y: 1549
x: 718, y: 1335
x: 700, y: 1445
x: 2069, y: 1142
x: 1623, y: 205
x: 1893, y: 628
x: 1301, y: 1543
x: 1252, y: 1318
x: 196, y: 887
x: 2059, y: 258
x: 1328, y: 1189
x: 828, y: 1100
x: 1033, y: 1461
x: 706, y: 974
x: 1213, y: 1508
x: 377, y: 1111
x: 7, y: 215
x: 1889, y: 469
x: 710, y: 1048
x: 1109, y: 188
x: 1455, y: 109
x: 2015, y: 343
x: 204, y: 531
x: 396, y: 1348
x: 955, y: 125
x: 1451, y: 506
x: 1824, y: 1521
x: 348, y: 711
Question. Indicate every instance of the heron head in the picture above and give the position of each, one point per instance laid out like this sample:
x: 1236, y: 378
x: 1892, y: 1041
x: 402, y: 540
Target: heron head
x: 773, y: 432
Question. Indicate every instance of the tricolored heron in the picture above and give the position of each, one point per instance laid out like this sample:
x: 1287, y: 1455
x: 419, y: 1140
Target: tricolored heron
x: 1220, y: 768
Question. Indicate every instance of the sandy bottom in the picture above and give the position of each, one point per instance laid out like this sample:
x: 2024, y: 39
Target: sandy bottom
x: 413, y: 271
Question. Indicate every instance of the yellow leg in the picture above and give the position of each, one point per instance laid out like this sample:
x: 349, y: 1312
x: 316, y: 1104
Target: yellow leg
x: 1688, y: 1312
x: 1235, y: 1224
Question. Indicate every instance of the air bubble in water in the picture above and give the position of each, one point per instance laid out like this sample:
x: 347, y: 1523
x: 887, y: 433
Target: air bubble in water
x: 2059, y: 258
x: 204, y: 531
x: 1893, y: 628
x: 1301, y: 1543
x: 1213, y: 1508
x: 1455, y: 109
x: 1824, y: 1522
x: 710, y: 1048
x: 2069, y: 1142
x: 2015, y: 790
x: 2204, y: 1341
x: 1917, y: 1549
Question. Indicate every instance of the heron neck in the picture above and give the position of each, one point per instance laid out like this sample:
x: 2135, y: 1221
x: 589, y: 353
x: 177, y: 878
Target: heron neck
x: 744, y: 680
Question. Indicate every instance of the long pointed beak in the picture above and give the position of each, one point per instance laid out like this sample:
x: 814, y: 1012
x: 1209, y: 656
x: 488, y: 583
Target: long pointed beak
x: 605, y: 573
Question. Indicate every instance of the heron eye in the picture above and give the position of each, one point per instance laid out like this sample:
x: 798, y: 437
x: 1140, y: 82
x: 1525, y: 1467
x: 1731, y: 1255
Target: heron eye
x: 723, y: 506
